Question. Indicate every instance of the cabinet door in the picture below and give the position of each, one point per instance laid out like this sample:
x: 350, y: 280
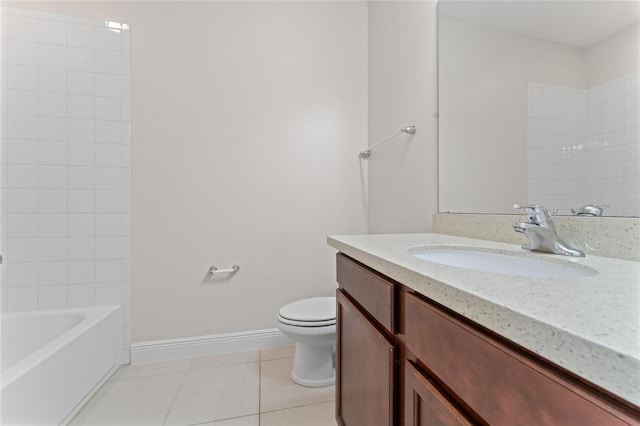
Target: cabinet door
x: 424, y: 405
x: 364, y: 371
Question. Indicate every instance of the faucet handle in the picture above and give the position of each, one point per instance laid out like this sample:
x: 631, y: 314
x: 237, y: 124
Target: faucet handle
x: 536, y: 213
x: 589, y: 210
x: 525, y: 206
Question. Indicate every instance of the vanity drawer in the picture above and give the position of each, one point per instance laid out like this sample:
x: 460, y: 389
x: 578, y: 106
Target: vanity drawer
x: 374, y: 292
x: 503, y: 384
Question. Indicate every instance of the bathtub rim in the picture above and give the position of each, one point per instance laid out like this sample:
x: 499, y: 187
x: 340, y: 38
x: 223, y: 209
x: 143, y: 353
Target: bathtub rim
x: 91, y: 316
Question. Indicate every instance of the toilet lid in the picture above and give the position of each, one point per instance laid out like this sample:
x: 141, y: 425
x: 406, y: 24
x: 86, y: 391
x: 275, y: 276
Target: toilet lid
x: 314, y: 309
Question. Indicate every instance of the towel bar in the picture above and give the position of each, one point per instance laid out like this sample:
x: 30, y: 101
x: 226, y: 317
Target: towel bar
x: 233, y: 269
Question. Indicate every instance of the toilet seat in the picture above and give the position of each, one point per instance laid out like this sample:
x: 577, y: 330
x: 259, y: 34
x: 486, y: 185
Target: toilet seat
x: 306, y: 323
x: 311, y: 312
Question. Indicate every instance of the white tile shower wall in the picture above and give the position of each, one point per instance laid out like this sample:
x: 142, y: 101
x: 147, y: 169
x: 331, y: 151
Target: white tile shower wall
x: 583, y: 146
x: 65, y: 161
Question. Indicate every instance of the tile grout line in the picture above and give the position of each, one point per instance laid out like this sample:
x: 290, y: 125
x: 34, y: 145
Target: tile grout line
x: 299, y: 406
x: 260, y: 390
x: 175, y: 397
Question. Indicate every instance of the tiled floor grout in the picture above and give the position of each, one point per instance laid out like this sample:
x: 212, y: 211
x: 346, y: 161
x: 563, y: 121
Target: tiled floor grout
x: 260, y: 388
x: 296, y: 406
x: 184, y: 377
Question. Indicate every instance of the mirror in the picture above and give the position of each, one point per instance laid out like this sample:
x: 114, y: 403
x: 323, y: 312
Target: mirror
x: 539, y: 102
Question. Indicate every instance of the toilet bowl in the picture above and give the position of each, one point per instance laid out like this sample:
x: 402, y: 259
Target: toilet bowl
x: 311, y: 323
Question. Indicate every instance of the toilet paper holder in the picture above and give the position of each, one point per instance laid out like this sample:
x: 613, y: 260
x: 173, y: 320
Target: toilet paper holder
x: 233, y: 269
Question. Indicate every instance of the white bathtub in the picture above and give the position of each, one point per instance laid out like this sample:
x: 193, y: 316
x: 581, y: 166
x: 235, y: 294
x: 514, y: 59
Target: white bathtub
x: 53, y: 361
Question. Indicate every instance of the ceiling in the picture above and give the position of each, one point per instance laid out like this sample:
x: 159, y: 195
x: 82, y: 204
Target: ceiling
x: 574, y: 22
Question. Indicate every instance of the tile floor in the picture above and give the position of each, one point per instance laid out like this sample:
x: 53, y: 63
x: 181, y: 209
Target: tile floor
x: 242, y: 389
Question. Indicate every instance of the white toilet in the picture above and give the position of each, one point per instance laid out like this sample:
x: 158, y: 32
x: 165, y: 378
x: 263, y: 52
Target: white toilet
x: 311, y: 323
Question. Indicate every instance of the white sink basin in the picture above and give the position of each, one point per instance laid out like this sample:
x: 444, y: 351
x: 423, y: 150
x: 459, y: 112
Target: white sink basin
x: 486, y: 261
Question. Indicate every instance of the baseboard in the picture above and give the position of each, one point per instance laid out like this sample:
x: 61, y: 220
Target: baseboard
x: 166, y: 350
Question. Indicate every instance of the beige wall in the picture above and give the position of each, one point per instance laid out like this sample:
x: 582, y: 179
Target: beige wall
x: 247, y: 118
x: 403, y: 173
x: 613, y: 57
x: 251, y: 115
x: 483, y: 129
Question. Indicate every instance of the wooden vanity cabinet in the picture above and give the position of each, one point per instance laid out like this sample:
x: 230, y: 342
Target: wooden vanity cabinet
x: 403, y: 359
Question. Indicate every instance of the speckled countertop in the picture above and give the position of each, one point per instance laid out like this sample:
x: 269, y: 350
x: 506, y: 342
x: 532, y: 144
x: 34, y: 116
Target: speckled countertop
x: 590, y: 326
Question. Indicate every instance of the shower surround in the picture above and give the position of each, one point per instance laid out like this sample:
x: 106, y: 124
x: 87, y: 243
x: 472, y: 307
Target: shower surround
x: 583, y: 146
x: 65, y: 180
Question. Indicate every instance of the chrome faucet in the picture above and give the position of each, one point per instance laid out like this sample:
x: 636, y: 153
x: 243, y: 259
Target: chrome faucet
x: 542, y: 232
